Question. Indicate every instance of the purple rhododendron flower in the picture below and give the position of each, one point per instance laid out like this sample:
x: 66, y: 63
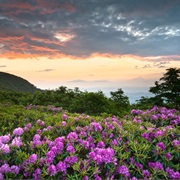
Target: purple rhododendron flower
x: 49, y: 160
x: 154, y: 117
x: 83, y: 134
x: 76, y: 118
x: 97, y: 127
x: 60, y: 147
x: 110, y: 126
x: 85, y: 178
x: 133, y: 112
x: 96, y: 177
x: 159, y: 133
x: 176, y: 142
x: 70, y: 160
x: 84, y: 143
x: 101, y: 144
x: 36, y: 137
x: 64, y: 117
x: 114, y: 142
x: 72, y: 136
x: 164, y: 117
x: 63, y: 123
x: 16, y: 142
x: 136, y: 112
x: 146, y: 173
x: 111, y: 135
x: 123, y: 170
x: 52, y: 170
x: 5, y: 139
x: 140, y: 166
x: 5, y: 148
x: 172, y: 174
x: 37, y: 173
x: 49, y: 128
x: 155, y: 165
x: 100, y: 155
x: 42, y: 123
x: 36, y: 140
x: 51, y: 154
x: 145, y: 135
x: 29, y: 125
x: 133, y: 178
x: 33, y: 158
x: 50, y: 143
x: 15, y: 169
x: 70, y: 149
x: 59, y: 139
x: 1, y: 176
x: 168, y: 156
x: 161, y: 145
x: 54, y: 149
x: 18, y: 131
x: 5, y: 168
x: 61, y: 167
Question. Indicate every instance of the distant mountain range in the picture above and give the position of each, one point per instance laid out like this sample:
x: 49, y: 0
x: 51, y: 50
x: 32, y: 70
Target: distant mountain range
x: 10, y: 82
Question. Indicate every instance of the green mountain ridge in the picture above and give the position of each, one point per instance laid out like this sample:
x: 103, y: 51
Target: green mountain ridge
x: 10, y: 82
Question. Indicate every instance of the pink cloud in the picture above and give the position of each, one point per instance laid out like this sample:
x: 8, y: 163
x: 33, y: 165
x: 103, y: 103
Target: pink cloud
x: 44, y: 7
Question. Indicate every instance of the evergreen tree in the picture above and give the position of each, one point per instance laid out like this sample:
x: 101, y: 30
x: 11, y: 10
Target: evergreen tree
x: 167, y: 89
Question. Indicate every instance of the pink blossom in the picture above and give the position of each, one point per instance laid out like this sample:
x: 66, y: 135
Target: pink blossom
x: 33, y: 158
x: 18, y: 131
x: 5, y: 148
x: 5, y: 139
x: 16, y: 142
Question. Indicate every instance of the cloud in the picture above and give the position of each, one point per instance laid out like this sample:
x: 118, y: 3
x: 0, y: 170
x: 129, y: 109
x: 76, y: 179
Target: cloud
x: 161, y: 64
x: 77, y: 81
x: 85, y: 81
x: 147, y: 66
x: 3, y: 66
x: 46, y: 70
x: 43, y: 28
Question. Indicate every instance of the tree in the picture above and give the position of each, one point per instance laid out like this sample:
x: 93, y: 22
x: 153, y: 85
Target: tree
x: 146, y: 103
x: 167, y: 89
x: 92, y: 103
x: 120, y: 100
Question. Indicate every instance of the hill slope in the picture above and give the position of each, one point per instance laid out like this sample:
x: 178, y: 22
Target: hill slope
x: 9, y: 82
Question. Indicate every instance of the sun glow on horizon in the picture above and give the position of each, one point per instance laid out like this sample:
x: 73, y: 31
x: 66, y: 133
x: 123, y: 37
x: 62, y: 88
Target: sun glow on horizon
x: 96, y: 70
x: 64, y: 37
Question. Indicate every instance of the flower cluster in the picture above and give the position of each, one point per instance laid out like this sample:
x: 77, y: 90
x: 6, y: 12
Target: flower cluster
x: 155, y: 165
x: 123, y: 170
x: 100, y: 155
x: 18, y: 131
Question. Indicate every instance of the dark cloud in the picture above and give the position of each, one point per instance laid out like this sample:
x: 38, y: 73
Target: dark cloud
x: 46, y: 70
x: 80, y: 28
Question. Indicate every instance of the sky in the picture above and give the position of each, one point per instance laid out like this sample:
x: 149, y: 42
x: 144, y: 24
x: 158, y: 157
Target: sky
x: 90, y: 44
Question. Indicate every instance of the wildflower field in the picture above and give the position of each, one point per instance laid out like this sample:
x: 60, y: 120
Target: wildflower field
x: 46, y: 142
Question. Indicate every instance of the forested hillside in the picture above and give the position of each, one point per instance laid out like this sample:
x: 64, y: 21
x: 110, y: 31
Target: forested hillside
x: 9, y: 82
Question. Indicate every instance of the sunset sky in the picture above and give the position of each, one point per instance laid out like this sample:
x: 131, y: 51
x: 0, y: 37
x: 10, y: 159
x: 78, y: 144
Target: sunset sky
x: 90, y: 44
